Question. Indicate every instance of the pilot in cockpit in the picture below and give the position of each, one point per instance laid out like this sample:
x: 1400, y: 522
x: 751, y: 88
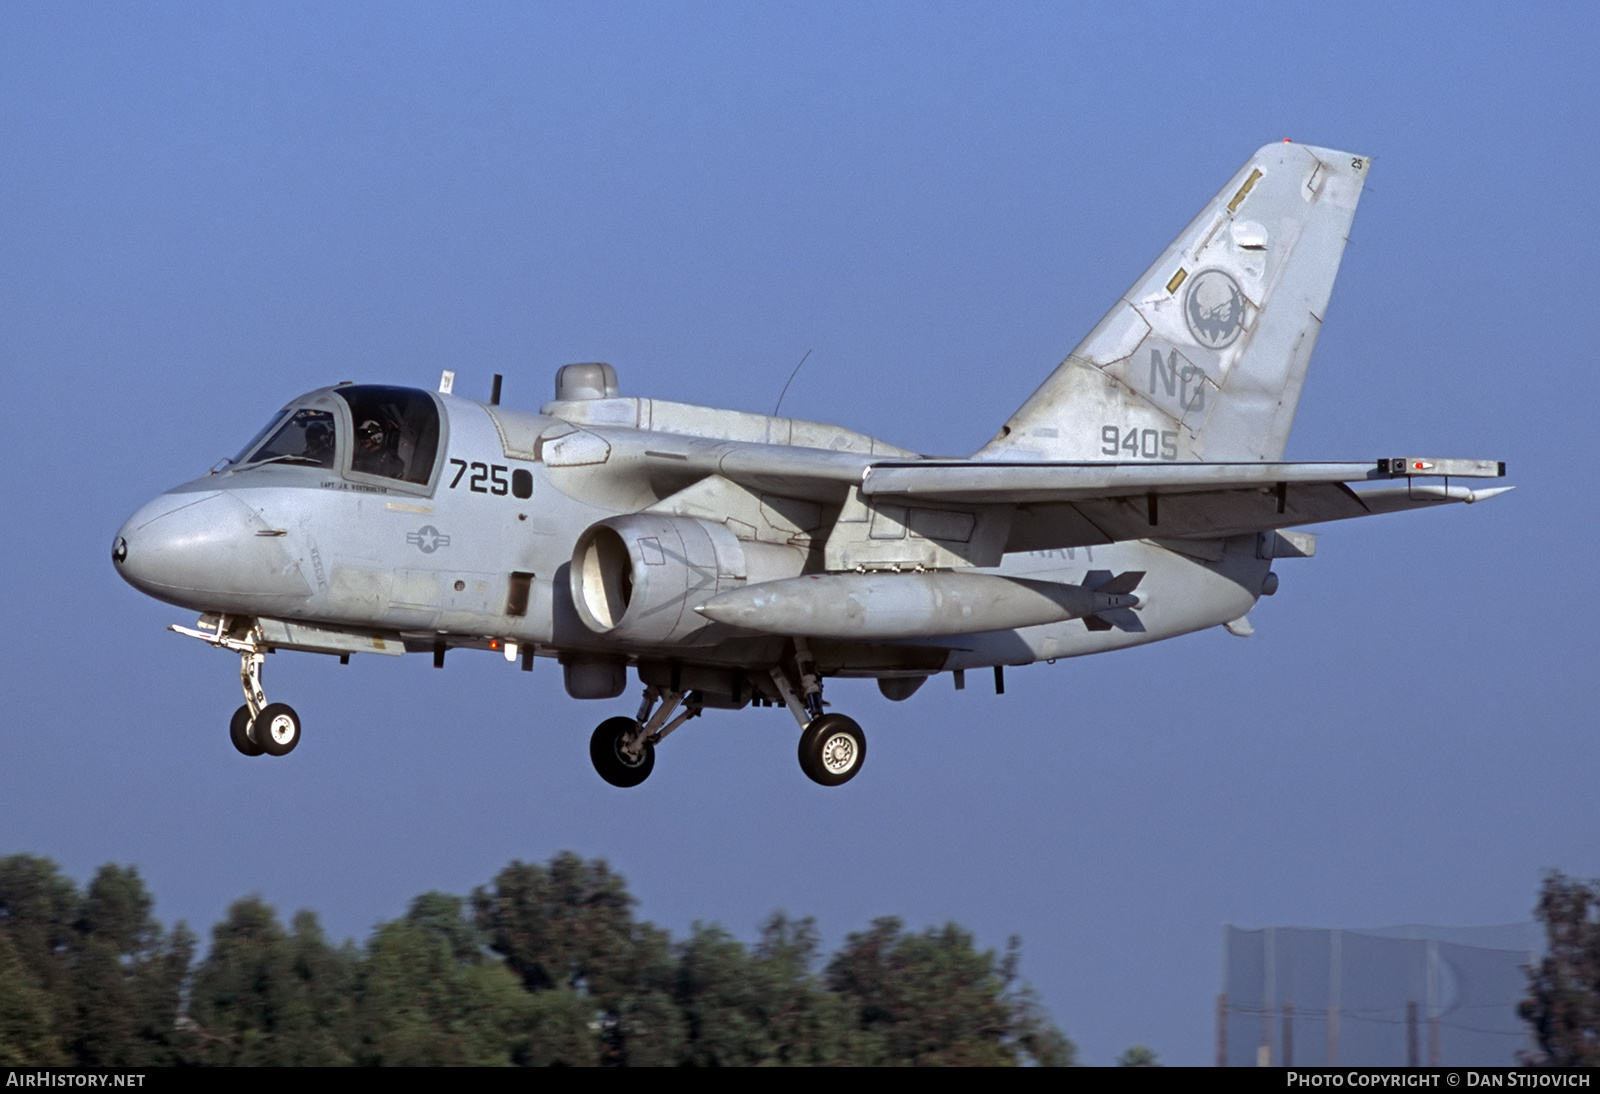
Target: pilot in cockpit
x: 373, y: 454
x: 319, y: 444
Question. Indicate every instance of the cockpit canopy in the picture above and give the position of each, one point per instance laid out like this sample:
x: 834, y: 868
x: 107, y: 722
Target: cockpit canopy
x: 369, y: 430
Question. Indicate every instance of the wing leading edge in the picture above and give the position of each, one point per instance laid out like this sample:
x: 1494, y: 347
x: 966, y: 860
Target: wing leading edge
x: 1084, y: 504
x: 1038, y: 505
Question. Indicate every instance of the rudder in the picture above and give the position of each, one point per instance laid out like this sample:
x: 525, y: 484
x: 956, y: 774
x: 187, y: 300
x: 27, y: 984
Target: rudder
x: 1204, y: 358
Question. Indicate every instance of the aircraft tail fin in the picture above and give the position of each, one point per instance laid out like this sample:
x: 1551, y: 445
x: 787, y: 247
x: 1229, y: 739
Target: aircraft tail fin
x: 1204, y: 357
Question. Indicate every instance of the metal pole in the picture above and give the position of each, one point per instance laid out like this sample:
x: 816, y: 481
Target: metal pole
x: 1288, y: 1035
x: 1433, y: 1002
x: 1334, y: 986
x: 1412, y: 1059
x: 1222, y: 1030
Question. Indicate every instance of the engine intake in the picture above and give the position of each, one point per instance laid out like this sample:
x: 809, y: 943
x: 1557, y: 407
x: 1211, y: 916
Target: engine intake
x: 638, y: 577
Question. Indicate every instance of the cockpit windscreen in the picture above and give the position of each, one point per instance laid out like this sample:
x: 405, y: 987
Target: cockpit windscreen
x: 266, y: 431
x: 306, y: 438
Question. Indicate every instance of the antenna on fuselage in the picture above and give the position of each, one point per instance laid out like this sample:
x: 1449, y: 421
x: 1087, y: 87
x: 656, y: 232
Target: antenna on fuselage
x: 494, y: 391
x: 447, y: 382
x: 789, y: 381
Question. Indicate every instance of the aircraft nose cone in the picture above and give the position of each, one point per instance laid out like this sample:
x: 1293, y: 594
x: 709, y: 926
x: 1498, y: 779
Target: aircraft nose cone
x: 210, y: 552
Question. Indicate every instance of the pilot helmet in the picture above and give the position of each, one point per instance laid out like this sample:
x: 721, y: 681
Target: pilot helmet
x: 370, y: 434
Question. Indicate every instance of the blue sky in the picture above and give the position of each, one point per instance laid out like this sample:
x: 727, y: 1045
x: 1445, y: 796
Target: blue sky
x: 207, y: 209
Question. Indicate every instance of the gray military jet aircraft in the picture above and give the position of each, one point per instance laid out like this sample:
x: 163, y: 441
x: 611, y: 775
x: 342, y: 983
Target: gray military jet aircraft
x: 735, y: 559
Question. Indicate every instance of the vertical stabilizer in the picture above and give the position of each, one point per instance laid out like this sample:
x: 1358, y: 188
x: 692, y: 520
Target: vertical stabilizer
x: 1204, y: 358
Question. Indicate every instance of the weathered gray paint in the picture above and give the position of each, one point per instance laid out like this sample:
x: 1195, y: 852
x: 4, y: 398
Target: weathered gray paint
x: 734, y: 539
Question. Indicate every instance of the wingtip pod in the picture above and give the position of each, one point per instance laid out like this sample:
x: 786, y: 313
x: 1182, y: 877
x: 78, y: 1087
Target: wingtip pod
x: 1401, y: 497
x: 1204, y: 357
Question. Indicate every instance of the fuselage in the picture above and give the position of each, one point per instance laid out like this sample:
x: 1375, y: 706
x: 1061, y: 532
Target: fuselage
x: 431, y: 520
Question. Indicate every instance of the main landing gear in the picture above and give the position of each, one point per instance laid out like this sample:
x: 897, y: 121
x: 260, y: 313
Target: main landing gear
x: 258, y: 726
x: 623, y: 750
x: 832, y: 746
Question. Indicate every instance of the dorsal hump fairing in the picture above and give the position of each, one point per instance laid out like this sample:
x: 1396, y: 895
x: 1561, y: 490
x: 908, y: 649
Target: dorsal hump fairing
x: 1204, y: 357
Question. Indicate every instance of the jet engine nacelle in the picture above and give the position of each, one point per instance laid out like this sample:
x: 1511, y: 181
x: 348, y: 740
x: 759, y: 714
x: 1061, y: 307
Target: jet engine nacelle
x: 638, y: 577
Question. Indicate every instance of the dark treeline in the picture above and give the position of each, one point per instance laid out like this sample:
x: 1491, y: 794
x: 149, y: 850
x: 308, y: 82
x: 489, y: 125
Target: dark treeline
x: 1563, y: 1001
x: 547, y: 965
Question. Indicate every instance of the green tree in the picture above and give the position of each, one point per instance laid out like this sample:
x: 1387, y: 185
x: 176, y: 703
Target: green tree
x: 570, y: 926
x: 426, y: 996
x: 550, y: 967
x: 127, y: 977
x: 440, y: 916
x: 27, y: 1019
x: 264, y: 996
x: 37, y: 910
x: 1138, y: 1056
x: 559, y: 1029
x: 746, y: 1008
x: 932, y: 999
x: 1563, y: 1002
x: 97, y: 962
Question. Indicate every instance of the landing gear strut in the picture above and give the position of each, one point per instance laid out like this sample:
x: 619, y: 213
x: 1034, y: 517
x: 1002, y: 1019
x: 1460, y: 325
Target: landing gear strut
x: 832, y: 746
x: 623, y: 750
x: 258, y: 726
x: 273, y: 728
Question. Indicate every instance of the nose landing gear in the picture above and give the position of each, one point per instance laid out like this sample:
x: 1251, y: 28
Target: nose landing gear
x: 259, y: 726
x: 273, y: 728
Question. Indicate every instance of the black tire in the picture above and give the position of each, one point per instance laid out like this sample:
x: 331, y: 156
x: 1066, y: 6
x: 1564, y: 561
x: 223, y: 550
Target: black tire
x: 277, y: 729
x: 239, y: 733
x: 605, y: 752
x: 832, y: 750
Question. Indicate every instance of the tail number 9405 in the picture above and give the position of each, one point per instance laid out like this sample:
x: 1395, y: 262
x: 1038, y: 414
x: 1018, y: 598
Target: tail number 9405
x: 1139, y: 444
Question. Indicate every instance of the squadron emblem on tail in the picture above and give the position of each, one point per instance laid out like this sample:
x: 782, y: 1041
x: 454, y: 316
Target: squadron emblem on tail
x: 1214, y: 309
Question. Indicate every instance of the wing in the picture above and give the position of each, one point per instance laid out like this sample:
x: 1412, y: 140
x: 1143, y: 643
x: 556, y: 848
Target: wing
x: 1082, y: 504
x: 943, y: 513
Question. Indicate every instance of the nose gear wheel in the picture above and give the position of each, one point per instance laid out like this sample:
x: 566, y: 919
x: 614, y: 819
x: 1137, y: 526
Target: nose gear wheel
x: 239, y: 733
x: 276, y: 729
